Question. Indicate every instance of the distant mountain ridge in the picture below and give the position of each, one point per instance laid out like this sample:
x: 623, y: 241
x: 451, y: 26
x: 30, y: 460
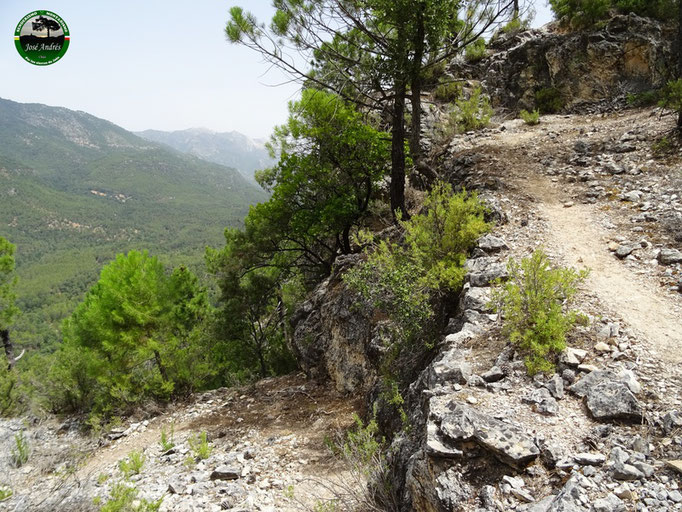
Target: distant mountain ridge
x: 75, y: 190
x: 232, y: 149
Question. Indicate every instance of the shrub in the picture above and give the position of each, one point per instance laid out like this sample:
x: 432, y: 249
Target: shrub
x: 516, y: 24
x: 124, y: 498
x: 533, y: 304
x: 662, y: 146
x: 448, y: 91
x: 199, y: 446
x: 473, y: 113
x: 659, y: 9
x: 167, y: 438
x: 530, y: 118
x: 671, y: 96
x: 549, y: 100
x: 644, y: 99
x: 132, y: 465
x: 401, y: 279
x: 579, y: 14
x: 369, y: 484
x: 475, y: 51
x: 5, y: 493
x: 135, y: 335
x: 8, y: 388
x: 20, y: 451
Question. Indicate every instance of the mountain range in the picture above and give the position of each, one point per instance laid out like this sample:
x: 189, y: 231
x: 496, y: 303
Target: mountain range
x: 232, y: 149
x: 75, y: 190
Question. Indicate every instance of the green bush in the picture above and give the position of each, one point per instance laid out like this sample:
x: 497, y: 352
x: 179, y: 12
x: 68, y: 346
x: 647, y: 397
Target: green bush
x: 671, y: 96
x: 530, y: 118
x: 471, y: 114
x: 401, y: 279
x: 660, y: 9
x: 662, y: 146
x: 138, y: 333
x: 644, y: 99
x: 8, y: 388
x: 5, y: 493
x: 167, y: 438
x: 549, y: 100
x: 534, y: 306
x: 448, y: 91
x: 21, y: 450
x: 476, y: 51
x: 199, y: 446
x: 132, y: 465
x: 516, y: 24
x: 579, y: 14
x: 124, y: 498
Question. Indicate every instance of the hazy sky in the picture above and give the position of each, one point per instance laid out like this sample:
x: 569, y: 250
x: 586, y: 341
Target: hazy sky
x: 162, y: 64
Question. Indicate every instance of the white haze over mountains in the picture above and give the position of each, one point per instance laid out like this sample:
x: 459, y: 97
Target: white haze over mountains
x: 232, y: 149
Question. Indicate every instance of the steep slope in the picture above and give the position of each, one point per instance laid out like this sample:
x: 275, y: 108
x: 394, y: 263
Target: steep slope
x: 229, y: 148
x: 75, y: 190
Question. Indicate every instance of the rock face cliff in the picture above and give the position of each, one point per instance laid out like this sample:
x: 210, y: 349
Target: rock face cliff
x: 334, y: 335
x: 628, y: 55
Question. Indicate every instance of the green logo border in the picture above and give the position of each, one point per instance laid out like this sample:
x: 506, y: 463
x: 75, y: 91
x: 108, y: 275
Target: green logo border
x: 62, y: 24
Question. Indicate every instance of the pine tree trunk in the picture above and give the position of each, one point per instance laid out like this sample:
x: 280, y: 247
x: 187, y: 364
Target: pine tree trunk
x: 416, y: 86
x: 159, y: 364
x: 398, y: 153
x: 679, y: 57
x: 9, y: 349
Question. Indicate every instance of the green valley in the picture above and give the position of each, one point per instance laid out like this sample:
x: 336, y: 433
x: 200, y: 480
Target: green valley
x: 75, y: 190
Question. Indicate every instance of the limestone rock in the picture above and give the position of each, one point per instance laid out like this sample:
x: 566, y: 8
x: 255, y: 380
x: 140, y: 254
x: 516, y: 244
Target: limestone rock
x: 476, y: 298
x: 569, y: 498
x: 493, y: 375
x: 572, y: 356
x: 555, y: 385
x: 675, y: 464
x: 590, y: 459
x: 669, y: 256
x: 582, y: 387
x: 509, y: 443
x: 226, y: 472
x: 492, y: 244
x: 611, y: 400
x: 451, y: 368
x: 672, y: 421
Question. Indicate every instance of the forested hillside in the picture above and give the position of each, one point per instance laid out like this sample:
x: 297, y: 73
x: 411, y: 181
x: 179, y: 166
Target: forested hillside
x: 75, y: 190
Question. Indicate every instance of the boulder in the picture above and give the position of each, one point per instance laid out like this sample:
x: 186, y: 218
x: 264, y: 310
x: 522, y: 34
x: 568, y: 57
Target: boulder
x: 226, y: 472
x: 507, y: 442
x: 451, y: 368
x: 492, y: 244
x: 571, y: 495
x: 612, y: 400
x: 669, y: 256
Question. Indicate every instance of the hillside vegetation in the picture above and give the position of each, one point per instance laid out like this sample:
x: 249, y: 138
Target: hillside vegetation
x: 75, y: 190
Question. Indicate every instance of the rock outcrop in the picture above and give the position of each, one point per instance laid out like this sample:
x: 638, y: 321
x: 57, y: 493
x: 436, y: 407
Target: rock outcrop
x: 334, y: 333
x: 629, y: 55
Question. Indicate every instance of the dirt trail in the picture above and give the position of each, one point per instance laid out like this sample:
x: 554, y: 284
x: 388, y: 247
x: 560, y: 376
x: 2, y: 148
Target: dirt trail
x: 520, y: 157
x: 637, y: 301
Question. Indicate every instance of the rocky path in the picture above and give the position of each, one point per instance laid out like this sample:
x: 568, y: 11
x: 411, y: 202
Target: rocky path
x: 595, y: 185
x: 638, y: 301
x: 604, y: 431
